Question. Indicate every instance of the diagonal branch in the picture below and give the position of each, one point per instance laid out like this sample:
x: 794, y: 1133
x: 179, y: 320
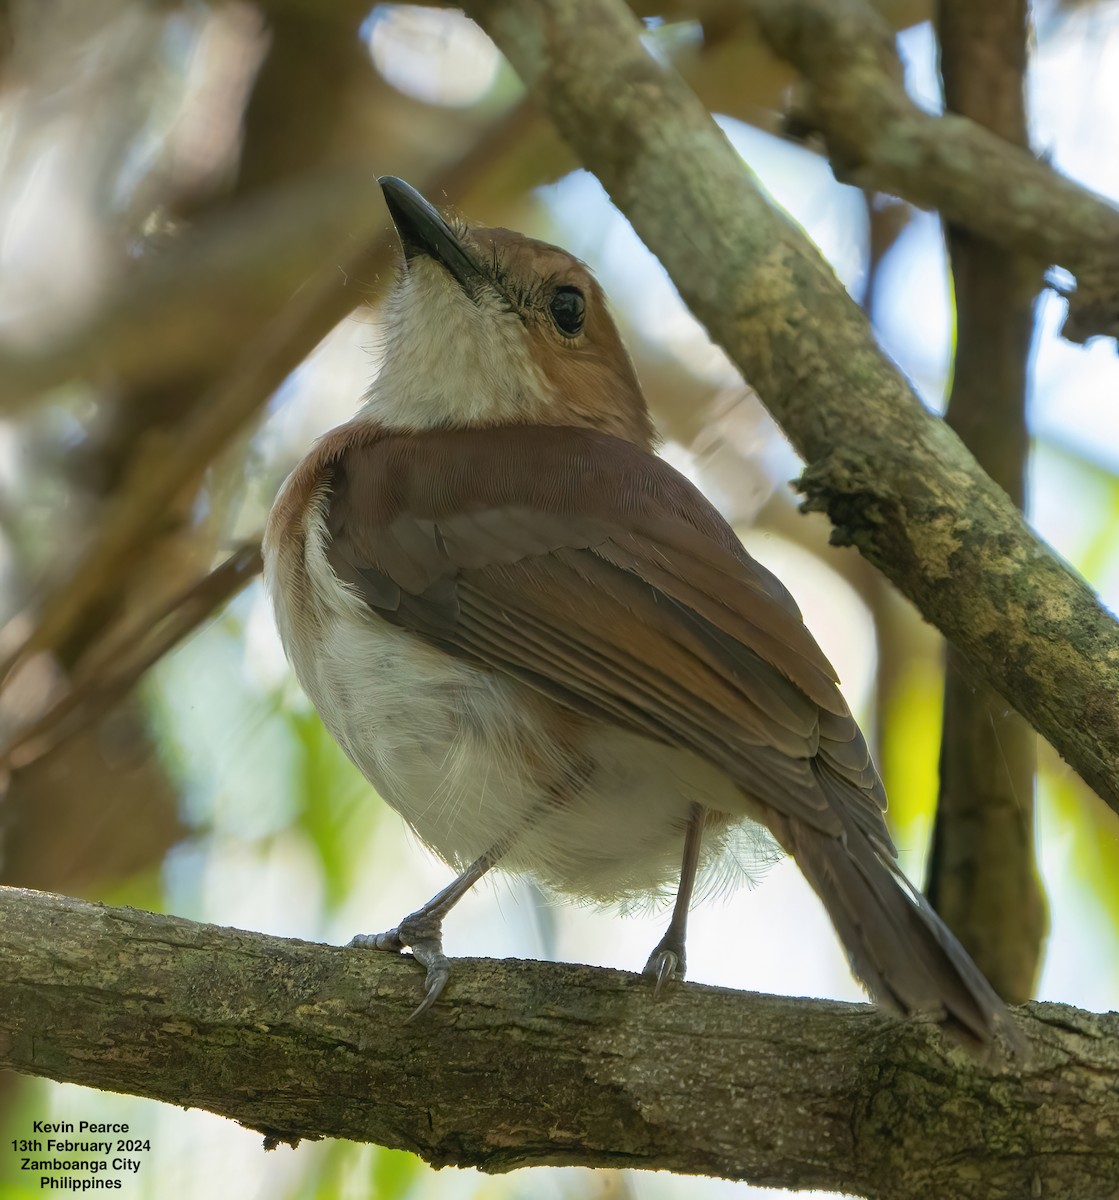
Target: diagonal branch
x: 167, y: 467
x: 541, y: 1063
x: 121, y: 660
x: 896, y: 482
x: 191, y: 310
x: 878, y: 138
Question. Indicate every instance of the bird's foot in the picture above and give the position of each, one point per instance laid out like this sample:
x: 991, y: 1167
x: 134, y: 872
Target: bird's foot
x: 421, y: 933
x: 666, y: 962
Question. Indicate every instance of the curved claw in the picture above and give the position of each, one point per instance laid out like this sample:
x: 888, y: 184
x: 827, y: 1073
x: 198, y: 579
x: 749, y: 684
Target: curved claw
x: 438, y: 972
x: 665, y: 963
x: 423, y: 935
x: 422, y: 932
x: 662, y: 966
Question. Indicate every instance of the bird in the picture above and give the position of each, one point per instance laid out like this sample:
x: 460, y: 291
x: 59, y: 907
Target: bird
x: 548, y: 651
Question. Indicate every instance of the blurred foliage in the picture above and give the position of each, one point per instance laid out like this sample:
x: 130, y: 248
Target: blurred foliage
x: 188, y: 210
x: 334, y: 812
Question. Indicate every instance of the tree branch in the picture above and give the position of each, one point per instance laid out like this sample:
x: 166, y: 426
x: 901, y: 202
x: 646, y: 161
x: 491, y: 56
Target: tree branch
x: 878, y: 138
x: 542, y: 1063
x: 191, y: 310
x: 167, y: 467
x: 896, y: 482
x: 982, y: 876
x: 126, y: 654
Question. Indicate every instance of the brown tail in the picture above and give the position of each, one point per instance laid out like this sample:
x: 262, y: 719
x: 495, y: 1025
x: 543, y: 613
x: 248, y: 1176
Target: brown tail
x: 902, y: 951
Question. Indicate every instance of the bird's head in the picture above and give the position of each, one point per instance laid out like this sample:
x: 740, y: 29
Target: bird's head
x: 487, y: 327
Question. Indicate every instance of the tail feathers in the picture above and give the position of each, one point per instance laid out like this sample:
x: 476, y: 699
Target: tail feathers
x: 898, y: 947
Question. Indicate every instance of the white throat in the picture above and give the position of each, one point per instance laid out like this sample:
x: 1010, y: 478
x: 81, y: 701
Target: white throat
x: 451, y: 360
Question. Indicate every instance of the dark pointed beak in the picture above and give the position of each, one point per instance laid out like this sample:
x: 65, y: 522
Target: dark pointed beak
x: 423, y: 231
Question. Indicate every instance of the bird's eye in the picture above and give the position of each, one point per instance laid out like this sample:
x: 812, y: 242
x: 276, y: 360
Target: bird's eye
x: 568, y: 308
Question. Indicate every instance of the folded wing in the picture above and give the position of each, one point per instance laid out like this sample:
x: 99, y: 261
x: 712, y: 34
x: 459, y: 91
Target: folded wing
x: 596, y: 573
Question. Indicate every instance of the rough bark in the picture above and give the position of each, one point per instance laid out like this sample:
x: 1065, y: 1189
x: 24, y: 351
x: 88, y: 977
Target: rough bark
x: 541, y: 1063
x: 983, y: 876
x: 878, y: 138
x: 896, y: 482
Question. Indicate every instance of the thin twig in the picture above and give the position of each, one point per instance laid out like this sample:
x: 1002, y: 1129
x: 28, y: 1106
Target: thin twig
x: 126, y: 655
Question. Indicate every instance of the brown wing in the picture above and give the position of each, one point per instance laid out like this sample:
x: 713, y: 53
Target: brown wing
x: 596, y: 573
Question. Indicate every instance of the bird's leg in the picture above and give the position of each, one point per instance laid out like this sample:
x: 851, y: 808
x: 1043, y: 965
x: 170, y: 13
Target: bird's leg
x: 668, y: 960
x: 422, y: 931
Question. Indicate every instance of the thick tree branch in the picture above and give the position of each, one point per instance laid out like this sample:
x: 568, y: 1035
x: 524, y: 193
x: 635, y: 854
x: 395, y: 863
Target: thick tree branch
x: 982, y: 875
x: 895, y: 480
x: 878, y: 138
x: 535, y: 1063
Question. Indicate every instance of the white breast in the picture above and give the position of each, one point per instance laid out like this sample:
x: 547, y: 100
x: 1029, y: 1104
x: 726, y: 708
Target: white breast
x: 468, y: 757
x: 452, y: 358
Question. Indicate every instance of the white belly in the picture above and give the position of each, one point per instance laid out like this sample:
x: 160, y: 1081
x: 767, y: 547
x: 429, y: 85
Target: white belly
x: 471, y: 760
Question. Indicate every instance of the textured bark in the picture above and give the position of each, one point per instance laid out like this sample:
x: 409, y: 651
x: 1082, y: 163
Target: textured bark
x: 541, y: 1063
x: 878, y: 138
x: 896, y: 482
x: 190, y: 311
x: 983, y: 876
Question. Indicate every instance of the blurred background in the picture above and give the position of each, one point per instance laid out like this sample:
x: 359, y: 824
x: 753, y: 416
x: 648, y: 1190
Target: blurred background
x: 193, y: 251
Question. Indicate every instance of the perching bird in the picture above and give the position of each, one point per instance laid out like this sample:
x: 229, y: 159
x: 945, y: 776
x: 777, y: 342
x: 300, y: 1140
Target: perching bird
x: 546, y: 649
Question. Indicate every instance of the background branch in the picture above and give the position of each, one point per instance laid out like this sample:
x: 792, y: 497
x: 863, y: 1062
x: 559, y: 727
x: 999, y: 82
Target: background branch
x: 527, y: 1063
x: 982, y: 876
x: 896, y: 482
x: 171, y: 464
x: 189, y: 310
x: 127, y: 653
x: 878, y: 138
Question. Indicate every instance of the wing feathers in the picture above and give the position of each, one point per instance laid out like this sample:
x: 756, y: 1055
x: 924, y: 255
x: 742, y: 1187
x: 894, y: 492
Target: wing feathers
x: 726, y: 673
x: 594, y: 572
x: 736, y: 604
x: 674, y: 702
